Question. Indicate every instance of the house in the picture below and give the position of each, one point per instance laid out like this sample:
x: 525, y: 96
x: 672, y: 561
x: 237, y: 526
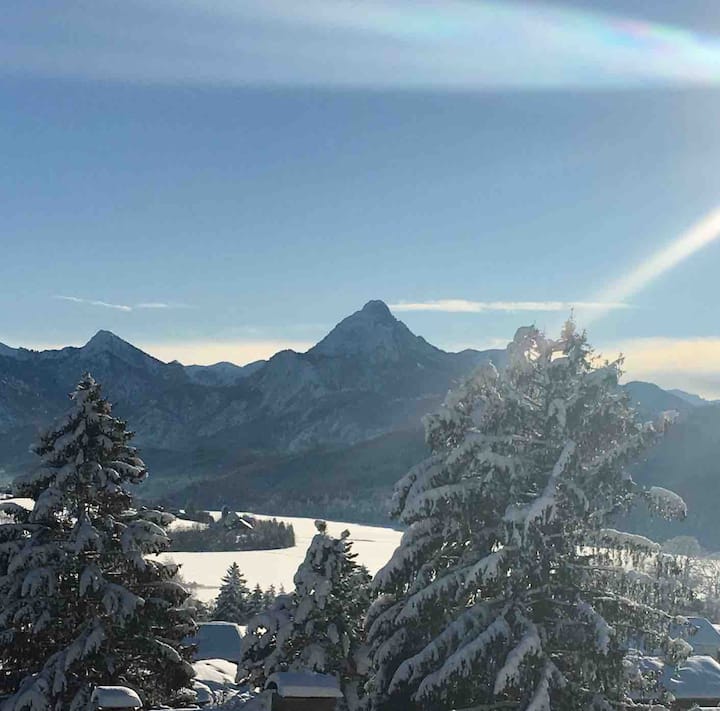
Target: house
x: 118, y: 698
x: 694, y: 682
x: 705, y: 639
x: 303, y: 691
x: 218, y: 640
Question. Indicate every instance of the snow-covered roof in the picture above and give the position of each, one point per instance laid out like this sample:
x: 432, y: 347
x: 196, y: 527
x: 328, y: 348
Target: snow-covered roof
x: 705, y: 635
x: 304, y: 685
x: 115, y: 697
x: 697, y: 678
x: 218, y: 640
x: 215, y: 673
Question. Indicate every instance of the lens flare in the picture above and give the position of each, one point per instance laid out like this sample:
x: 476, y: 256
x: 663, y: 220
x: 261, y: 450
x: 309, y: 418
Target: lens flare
x: 700, y: 235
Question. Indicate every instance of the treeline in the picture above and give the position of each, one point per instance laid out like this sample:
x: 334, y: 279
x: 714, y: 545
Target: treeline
x: 236, y: 602
x: 246, y: 533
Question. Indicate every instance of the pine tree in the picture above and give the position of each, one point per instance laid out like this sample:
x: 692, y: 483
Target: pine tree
x: 269, y: 597
x: 257, y: 600
x: 233, y: 602
x: 318, y: 627
x: 82, y: 602
x: 508, y: 589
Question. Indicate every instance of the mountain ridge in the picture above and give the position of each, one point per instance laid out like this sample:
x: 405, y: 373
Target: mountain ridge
x: 368, y: 376
x: 328, y: 431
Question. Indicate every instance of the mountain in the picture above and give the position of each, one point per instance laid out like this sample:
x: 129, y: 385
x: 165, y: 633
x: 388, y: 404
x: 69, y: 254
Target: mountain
x: 322, y: 433
x: 650, y: 400
x: 369, y: 376
x: 691, y: 397
x: 686, y: 460
x: 223, y: 373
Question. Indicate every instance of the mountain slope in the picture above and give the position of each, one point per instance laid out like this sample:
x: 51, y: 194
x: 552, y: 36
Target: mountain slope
x: 323, y: 432
x: 369, y: 376
x: 650, y: 400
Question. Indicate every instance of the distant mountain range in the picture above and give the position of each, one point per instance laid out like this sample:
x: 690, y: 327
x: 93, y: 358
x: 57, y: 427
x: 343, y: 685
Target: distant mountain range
x: 326, y: 432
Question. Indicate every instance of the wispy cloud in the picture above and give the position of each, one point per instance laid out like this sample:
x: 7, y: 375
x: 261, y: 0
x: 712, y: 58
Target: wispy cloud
x: 121, y: 307
x: 437, y: 45
x: 463, y: 306
x: 160, y: 305
x: 94, y: 302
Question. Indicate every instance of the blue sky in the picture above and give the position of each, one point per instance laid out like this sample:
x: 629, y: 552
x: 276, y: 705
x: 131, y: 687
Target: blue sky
x: 226, y: 179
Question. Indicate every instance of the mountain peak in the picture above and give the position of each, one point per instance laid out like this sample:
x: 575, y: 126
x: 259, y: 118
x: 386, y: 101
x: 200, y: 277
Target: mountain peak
x: 373, y: 332
x: 377, y: 309
x: 106, y: 340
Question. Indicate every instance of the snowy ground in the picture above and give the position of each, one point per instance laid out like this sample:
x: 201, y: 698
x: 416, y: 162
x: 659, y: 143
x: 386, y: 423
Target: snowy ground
x: 373, y: 544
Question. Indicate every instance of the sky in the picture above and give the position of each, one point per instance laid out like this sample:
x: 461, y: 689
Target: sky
x: 219, y: 180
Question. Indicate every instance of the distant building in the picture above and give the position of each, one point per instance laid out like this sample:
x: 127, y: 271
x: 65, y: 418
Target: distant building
x: 695, y: 682
x: 702, y: 636
x: 218, y: 640
x: 303, y: 691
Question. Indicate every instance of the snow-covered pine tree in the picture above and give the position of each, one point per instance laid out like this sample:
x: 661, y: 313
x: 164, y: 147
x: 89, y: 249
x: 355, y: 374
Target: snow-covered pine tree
x: 83, y: 601
x: 494, y: 598
x: 233, y: 601
x: 318, y: 627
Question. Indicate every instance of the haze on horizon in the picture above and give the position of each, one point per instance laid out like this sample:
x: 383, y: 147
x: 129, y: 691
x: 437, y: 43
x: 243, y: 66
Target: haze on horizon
x: 220, y: 182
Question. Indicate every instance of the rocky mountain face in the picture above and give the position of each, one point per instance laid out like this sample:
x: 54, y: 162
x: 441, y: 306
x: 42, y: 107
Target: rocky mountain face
x: 369, y: 376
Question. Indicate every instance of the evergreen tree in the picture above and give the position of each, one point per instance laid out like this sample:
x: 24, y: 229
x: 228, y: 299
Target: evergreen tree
x: 257, y: 600
x: 269, y: 597
x: 319, y: 626
x: 508, y: 589
x: 82, y: 602
x: 233, y: 602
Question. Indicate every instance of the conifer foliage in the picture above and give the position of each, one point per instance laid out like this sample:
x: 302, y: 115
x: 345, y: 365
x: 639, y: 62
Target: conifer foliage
x: 508, y: 589
x: 82, y: 600
x: 318, y: 627
x: 233, y: 601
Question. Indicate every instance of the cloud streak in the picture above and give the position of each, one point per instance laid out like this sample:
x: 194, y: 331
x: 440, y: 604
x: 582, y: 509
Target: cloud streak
x: 400, y: 44
x: 94, y: 302
x: 464, y: 306
x: 120, y: 307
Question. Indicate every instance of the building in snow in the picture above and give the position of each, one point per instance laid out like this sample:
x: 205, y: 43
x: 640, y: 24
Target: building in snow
x: 218, y: 640
x: 695, y: 682
x: 705, y: 639
x: 303, y: 691
x: 118, y: 698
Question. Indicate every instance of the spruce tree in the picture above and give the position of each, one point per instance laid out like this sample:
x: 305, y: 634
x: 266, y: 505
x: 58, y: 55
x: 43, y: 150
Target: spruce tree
x: 83, y: 599
x: 269, y: 596
x: 509, y: 589
x: 233, y: 602
x: 257, y: 600
x: 318, y: 627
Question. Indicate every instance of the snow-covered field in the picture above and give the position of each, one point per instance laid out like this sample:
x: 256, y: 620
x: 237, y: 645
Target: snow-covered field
x: 373, y: 544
